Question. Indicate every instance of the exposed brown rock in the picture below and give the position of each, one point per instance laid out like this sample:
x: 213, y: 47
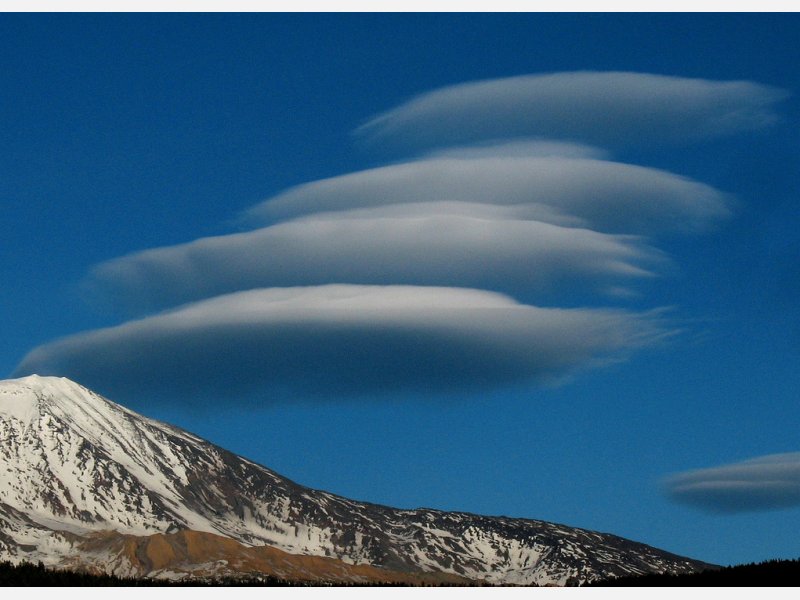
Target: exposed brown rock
x: 205, y: 554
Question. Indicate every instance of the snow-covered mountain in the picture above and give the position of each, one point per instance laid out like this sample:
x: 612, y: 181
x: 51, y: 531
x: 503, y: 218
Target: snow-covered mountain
x: 86, y: 483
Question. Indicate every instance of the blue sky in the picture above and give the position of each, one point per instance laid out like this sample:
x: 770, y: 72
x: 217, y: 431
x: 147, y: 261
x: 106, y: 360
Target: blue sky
x: 597, y: 247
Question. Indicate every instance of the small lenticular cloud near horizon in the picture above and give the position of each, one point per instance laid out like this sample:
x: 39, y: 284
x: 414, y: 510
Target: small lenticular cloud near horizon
x: 763, y: 483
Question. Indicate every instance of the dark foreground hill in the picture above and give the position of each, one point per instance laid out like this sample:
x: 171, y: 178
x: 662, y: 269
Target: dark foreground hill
x: 771, y: 573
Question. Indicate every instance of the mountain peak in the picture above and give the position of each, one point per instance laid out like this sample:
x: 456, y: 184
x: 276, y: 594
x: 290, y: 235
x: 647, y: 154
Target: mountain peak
x: 21, y: 398
x: 38, y: 385
x: 76, y: 465
x: 27, y: 398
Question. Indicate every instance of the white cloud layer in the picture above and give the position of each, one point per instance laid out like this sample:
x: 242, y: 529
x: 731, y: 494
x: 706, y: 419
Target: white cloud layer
x: 598, y: 194
x: 606, y: 108
x: 438, y: 244
x: 763, y: 483
x: 341, y: 339
x: 522, y: 147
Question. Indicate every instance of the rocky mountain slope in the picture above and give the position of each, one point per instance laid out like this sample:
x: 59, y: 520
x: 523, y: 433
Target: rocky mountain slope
x: 87, y: 483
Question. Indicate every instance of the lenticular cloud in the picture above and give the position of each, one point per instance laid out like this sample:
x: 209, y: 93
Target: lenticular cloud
x: 462, y: 245
x: 429, y: 275
x: 605, y: 108
x: 608, y: 196
x: 342, y: 339
x: 763, y: 483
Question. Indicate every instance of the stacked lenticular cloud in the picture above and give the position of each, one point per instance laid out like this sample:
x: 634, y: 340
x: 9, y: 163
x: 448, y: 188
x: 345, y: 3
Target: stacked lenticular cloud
x: 477, y: 261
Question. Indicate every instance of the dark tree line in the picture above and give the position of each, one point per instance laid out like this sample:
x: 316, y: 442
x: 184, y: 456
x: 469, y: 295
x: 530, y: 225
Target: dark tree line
x: 28, y: 574
x: 37, y: 575
x: 771, y: 573
x: 768, y: 573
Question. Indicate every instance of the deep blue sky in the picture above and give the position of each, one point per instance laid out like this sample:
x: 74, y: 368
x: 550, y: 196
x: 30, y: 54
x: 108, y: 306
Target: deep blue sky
x: 122, y: 133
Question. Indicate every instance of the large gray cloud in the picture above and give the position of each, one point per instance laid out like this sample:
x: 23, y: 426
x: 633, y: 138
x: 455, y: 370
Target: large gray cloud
x: 440, y: 244
x: 339, y: 339
x: 599, y: 194
x: 598, y: 107
x: 762, y: 483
